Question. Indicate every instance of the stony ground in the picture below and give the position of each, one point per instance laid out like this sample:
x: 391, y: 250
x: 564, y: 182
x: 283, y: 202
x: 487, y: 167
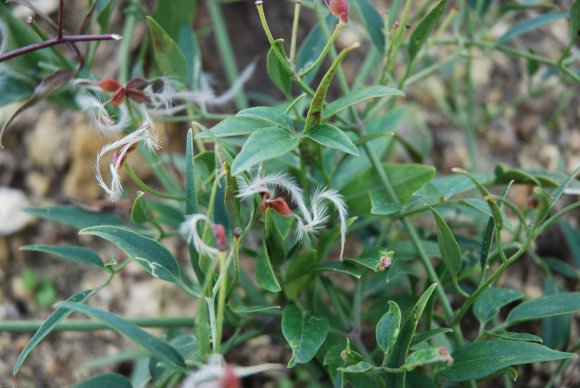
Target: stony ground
x: 49, y: 159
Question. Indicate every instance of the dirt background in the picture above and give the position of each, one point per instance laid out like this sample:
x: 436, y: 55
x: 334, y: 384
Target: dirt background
x: 49, y: 159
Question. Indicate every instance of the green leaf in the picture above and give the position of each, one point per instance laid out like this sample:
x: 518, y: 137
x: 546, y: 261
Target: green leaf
x: 573, y: 239
x: 139, y: 211
x: 331, y: 136
x: 173, y: 15
x: 424, y: 357
x: 488, y: 304
x: 406, y: 179
x: 388, y: 327
x: 381, y: 206
x: 75, y: 216
x: 69, y: 252
x: 424, y: 29
x: 191, y: 203
x: 374, y: 24
x: 249, y: 120
x: 427, y: 335
x: 360, y: 95
x: 399, y: 352
x: 113, y: 380
x: 333, y: 266
x: 150, y: 343
x: 483, y: 358
x: 148, y: 253
x: 304, y: 333
x: 273, y: 239
x: 253, y: 309
x: 450, y: 251
x: 15, y: 89
x: 277, y: 72
x: 104, y: 12
x: 265, y: 276
x: 48, y: 326
x: 527, y: 25
x: 515, y: 336
x: 168, y: 55
x: 546, y: 306
x: 575, y: 21
x: 360, y: 367
x: 263, y: 144
x: 449, y: 186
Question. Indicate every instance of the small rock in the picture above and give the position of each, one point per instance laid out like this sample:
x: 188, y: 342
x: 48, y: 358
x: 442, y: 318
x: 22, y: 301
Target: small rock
x: 12, y: 218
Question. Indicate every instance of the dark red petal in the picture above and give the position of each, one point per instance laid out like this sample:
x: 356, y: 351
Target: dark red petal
x: 109, y: 85
x: 137, y: 83
x: 219, y: 232
x: 280, y: 206
x: 118, y: 97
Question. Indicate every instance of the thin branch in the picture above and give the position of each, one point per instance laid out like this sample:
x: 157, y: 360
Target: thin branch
x: 55, y: 41
x: 60, y: 20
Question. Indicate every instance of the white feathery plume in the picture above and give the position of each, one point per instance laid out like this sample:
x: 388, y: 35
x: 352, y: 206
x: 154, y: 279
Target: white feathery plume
x: 188, y: 230
x: 319, y: 211
x: 120, y: 149
x: 100, y: 119
x: 267, y: 184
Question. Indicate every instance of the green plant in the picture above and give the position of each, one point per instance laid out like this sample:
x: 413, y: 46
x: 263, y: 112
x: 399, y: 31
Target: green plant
x: 278, y: 184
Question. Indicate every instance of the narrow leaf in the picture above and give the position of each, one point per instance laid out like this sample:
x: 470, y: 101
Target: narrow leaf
x: 374, y: 24
x: 54, y: 319
x: 168, y: 55
x: 450, y: 252
x: 151, y: 255
x: 527, y: 25
x: 546, y: 306
x: 152, y: 344
x: 75, y: 216
x: 106, y: 380
x: 484, y: 358
x: 277, y: 72
x: 69, y: 252
x: 424, y: 29
x: 139, y: 210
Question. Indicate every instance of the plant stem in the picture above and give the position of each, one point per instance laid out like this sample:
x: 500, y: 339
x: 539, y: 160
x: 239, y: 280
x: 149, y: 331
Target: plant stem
x: 55, y: 41
x: 225, y: 49
x: 148, y: 189
x: 125, y: 51
x: 328, y: 46
x: 22, y: 326
x: 297, y: 5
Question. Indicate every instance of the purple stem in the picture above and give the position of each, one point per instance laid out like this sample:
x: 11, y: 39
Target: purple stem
x: 54, y: 42
x: 60, y: 20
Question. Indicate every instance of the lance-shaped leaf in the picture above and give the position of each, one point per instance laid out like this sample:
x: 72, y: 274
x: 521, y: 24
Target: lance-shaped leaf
x: 265, y: 276
x: 450, y: 252
x: 48, y: 326
x: 399, y: 352
x: 69, y: 252
x: 151, y: 255
x: 484, y: 358
x: 546, y: 306
x: 361, y: 95
x: 488, y: 304
x: 168, y: 55
x: 152, y: 344
x: 107, y: 379
x: 424, y: 29
x: 304, y: 333
x: 277, y: 72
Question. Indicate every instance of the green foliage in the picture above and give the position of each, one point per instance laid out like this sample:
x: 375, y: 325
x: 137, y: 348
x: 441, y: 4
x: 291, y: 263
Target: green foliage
x: 316, y: 218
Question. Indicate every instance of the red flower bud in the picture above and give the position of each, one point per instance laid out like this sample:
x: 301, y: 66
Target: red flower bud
x: 219, y: 233
x: 339, y: 8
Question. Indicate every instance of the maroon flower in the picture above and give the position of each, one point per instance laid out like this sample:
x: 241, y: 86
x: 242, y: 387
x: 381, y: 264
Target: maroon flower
x: 133, y: 90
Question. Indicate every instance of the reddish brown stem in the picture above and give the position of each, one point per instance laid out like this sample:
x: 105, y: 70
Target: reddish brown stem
x: 60, y: 20
x: 54, y: 42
